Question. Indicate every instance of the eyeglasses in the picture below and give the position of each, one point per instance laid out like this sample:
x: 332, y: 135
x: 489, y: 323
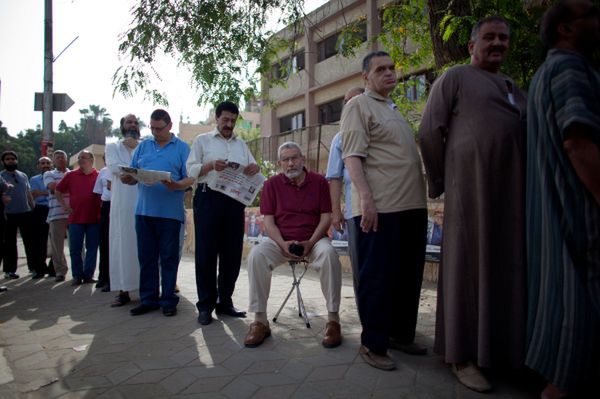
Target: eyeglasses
x: 158, y: 129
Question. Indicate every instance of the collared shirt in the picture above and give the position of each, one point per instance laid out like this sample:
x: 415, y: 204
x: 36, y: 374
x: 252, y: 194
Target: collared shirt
x: 82, y: 199
x: 378, y: 134
x: 56, y: 211
x: 337, y: 170
x: 297, y: 209
x: 157, y: 200
x: 37, y: 183
x: 212, y: 146
x: 101, y: 186
x: 19, y: 193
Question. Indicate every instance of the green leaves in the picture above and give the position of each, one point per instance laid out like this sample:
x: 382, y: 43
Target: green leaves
x: 216, y: 40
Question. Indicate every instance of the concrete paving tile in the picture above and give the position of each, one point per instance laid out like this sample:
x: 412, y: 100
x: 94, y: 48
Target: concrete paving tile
x: 206, y: 395
x: 96, y: 381
x: 328, y: 373
x: 209, y: 371
x: 399, y: 378
x: 97, y: 369
x: 395, y: 393
x: 263, y: 353
x: 208, y: 384
x: 238, y: 362
x: 307, y: 392
x: 83, y: 394
x: 123, y: 373
x: 296, y: 370
x: 149, y: 377
x: 136, y: 391
x: 184, y: 356
x: 30, y: 360
x: 178, y: 381
x: 363, y: 375
x: 154, y: 363
x: 271, y: 379
x: 323, y: 359
x: 239, y: 388
x: 278, y: 392
x: 266, y: 366
x: 335, y: 388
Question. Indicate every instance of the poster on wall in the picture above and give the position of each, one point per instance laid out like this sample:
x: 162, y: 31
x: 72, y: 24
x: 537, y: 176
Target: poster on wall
x: 435, y: 221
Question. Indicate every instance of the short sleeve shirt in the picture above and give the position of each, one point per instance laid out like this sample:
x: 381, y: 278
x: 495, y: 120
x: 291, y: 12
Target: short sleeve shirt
x: 19, y: 192
x: 37, y: 183
x: 55, y: 211
x: 297, y: 209
x: 374, y: 131
x: 157, y: 200
x: 337, y: 170
x: 82, y: 199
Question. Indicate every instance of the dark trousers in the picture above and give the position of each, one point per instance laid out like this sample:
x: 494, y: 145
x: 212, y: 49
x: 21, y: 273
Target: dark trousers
x: 22, y: 222
x: 39, y: 235
x: 2, y: 227
x: 219, y: 230
x: 390, y: 264
x: 158, y: 238
x: 104, y: 233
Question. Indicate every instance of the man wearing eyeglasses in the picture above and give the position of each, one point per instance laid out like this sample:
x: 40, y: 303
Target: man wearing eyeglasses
x: 159, y: 215
x: 297, y: 209
x: 84, y: 217
x: 218, y: 218
x: 18, y: 215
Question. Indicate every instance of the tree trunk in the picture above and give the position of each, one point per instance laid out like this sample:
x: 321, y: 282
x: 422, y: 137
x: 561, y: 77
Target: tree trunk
x: 452, y: 50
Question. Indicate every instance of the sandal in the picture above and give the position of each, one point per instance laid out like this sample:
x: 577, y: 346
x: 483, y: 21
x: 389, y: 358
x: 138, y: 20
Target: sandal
x: 120, y: 300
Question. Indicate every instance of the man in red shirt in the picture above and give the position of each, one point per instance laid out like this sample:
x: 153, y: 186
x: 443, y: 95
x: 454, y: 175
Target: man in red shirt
x: 84, y: 216
x: 297, y: 209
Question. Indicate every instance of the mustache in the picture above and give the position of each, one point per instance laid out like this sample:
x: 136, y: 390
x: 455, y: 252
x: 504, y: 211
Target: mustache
x: 500, y: 49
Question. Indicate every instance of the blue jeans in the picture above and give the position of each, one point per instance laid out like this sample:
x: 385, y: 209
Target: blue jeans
x: 77, y: 234
x: 158, y: 239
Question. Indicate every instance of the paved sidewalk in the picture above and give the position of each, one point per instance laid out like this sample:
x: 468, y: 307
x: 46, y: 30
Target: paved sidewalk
x: 61, y: 341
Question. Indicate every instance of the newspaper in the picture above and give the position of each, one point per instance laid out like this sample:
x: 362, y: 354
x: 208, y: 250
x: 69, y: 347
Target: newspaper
x: 146, y: 177
x: 234, y: 183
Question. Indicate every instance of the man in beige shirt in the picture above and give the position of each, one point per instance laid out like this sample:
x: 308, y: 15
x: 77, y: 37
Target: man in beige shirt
x: 389, y: 212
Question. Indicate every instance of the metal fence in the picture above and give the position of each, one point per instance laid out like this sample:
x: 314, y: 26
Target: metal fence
x: 315, y: 142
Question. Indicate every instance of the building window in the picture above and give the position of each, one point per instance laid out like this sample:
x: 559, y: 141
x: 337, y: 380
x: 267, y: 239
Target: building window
x: 329, y: 46
x: 331, y: 112
x: 289, y: 65
x: 291, y: 122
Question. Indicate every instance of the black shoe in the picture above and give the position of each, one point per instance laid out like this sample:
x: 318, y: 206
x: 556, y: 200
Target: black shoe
x: 36, y: 276
x: 169, y: 311
x: 142, y: 309
x: 100, y: 284
x: 76, y: 281
x: 88, y: 281
x: 59, y: 278
x: 205, y: 317
x: 230, y: 311
x: 11, y: 276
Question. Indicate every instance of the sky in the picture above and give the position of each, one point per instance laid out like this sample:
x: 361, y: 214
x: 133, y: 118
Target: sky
x: 84, y: 71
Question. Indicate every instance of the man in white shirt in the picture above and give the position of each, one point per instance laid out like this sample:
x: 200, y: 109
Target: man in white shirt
x: 103, y: 188
x: 218, y: 218
x: 57, y: 215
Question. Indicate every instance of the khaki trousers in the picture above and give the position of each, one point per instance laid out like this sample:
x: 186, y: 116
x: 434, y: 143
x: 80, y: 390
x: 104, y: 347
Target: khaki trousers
x: 267, y: 255
x: 56, y: 233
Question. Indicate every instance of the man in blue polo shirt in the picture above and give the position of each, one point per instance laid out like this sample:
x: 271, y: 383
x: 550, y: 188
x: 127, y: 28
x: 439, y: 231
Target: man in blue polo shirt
x: 159, y: 215
x: 40, y: 213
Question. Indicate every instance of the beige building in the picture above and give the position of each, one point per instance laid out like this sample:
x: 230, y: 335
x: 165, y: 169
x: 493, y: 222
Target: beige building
x: 310, y: 103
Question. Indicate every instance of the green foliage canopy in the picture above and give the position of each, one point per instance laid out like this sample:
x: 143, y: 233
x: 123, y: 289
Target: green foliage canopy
x: 221, y: 42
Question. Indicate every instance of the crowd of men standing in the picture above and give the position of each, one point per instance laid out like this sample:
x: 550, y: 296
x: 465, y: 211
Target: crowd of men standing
x: 519, y: 281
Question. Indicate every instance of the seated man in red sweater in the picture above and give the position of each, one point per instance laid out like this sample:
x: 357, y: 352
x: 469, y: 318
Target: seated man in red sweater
x: 297, y: 209
x: 84, y: 216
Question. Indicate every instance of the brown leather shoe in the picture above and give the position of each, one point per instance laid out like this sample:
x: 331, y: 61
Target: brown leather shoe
x: 256, y: 334
x: 333, y: 335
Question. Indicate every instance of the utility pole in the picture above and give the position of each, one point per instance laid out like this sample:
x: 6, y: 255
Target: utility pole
x: 48, y: 107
